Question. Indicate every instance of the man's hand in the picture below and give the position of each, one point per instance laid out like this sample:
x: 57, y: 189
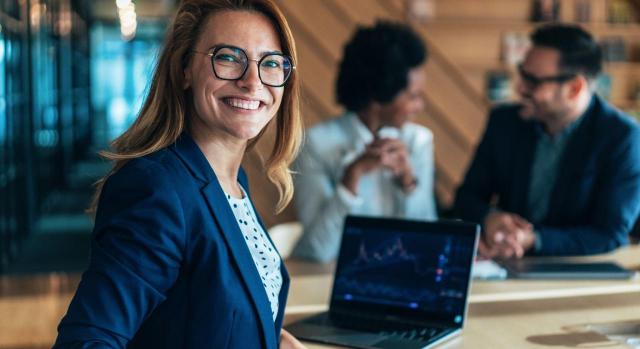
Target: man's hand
x: 507, y: 235
x: 287, y: 341
x: 381, y: 153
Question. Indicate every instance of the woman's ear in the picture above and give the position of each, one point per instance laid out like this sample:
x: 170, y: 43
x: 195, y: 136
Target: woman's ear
x: 373, y: 108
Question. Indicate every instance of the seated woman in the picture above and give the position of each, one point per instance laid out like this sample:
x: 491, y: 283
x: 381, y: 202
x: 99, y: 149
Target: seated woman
x: 180, y: 258
x: 372, y: 160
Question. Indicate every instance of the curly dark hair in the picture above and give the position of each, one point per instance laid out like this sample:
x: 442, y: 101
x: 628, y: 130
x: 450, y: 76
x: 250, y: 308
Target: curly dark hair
x: 376, y: 64
x: 579, y: 52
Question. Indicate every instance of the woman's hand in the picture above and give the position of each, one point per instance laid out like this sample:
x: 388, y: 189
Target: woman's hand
x: 287, y: 341
x: 382, y: 152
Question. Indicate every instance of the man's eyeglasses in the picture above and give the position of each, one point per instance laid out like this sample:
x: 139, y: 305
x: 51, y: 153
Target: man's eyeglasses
x: 534, y: 82
x: 231, y: 63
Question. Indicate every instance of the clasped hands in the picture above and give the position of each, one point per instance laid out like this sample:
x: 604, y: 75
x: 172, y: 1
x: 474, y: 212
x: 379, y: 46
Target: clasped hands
x: 382, y: 153
x: 506, y: 235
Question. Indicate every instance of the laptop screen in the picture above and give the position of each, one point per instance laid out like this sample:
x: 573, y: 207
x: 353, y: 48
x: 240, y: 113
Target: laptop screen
x: 406, y: 268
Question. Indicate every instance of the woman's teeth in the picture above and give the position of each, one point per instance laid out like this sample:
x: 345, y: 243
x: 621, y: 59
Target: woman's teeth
x: 242, y: 103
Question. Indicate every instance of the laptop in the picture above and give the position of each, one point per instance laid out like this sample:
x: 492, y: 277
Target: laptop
x: 545, y: 269
x: 398, y: 284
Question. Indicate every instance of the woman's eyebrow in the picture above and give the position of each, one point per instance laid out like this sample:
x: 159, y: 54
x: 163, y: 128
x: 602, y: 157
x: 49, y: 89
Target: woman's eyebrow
x: 263, y: 53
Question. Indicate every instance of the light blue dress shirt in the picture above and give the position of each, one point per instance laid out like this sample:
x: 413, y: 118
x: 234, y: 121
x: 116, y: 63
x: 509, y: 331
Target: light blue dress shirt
x: 322, y: 202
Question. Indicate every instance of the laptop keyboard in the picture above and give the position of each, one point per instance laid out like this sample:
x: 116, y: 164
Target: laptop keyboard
x: 393, y: 329
x: 423, y: 334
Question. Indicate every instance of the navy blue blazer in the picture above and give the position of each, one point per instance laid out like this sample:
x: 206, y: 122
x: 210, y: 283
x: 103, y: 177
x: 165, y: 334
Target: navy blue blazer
x: 169, y: 266
x: 596, y: 196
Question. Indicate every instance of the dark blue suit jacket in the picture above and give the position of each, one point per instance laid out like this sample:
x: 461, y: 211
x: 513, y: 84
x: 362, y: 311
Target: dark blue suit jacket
x: 596, y: 196
x: 169, y: 266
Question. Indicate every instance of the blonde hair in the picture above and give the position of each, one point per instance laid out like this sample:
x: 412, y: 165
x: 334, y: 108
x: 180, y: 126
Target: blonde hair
x: 163, y: 116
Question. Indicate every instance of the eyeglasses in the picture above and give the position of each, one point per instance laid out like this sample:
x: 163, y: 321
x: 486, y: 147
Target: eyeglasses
x: 534, y: 82
x: 231, y: 63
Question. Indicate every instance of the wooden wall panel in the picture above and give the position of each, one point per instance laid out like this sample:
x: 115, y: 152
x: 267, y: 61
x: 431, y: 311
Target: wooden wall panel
x: 455, y: 109
x: 490, y: 9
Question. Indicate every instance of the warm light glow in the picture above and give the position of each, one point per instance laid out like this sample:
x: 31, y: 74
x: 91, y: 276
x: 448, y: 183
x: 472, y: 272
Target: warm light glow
x: 38, y: 11
x: 128, y: 19
x: 123, y: 3
x: 65, y: 22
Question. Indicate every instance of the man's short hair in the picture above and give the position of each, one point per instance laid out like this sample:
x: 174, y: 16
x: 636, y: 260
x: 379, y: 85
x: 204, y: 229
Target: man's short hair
x: 376, y: 64
x: 579, y: 52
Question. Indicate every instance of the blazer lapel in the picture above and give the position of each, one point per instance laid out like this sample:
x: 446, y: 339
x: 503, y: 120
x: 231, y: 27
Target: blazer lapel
x: 192, y: 156
x: 233, y: 236
x: 284, y: 290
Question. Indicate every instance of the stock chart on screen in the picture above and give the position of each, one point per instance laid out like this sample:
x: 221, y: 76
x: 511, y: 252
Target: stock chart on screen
x: 404, y: 269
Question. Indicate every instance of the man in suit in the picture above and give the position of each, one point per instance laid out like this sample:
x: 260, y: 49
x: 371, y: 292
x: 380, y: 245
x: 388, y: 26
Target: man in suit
x: 558, y: 173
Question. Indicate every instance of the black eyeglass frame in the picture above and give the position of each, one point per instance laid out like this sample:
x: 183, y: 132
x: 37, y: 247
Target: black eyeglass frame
x: 535, y: 81
x: 217, y: 48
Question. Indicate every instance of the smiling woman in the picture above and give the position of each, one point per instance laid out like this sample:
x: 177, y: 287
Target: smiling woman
x: 232, y: 100
x: 180, y: 258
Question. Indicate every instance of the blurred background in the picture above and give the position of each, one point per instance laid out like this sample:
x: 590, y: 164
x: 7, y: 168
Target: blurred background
x: 73, y: 75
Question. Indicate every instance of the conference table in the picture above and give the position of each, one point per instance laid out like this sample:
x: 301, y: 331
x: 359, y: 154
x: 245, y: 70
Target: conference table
x: 502, y: 314
x: 517, y: 313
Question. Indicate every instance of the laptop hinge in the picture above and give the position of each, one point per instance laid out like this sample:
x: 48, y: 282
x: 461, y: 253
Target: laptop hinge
x: 390, y: 318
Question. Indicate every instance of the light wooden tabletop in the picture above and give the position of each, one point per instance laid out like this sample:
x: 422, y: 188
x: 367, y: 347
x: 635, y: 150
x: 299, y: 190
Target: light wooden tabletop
x: 579, y: 322
x: 503, y: 314
x: 311, y: 284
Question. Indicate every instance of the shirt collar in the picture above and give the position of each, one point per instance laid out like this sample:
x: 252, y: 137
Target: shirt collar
x: 360, y: 129
x: 569, y: 129
x: 365, y: 135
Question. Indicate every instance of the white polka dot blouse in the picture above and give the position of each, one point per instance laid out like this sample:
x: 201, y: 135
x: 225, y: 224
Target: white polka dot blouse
x: 265, y: 256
